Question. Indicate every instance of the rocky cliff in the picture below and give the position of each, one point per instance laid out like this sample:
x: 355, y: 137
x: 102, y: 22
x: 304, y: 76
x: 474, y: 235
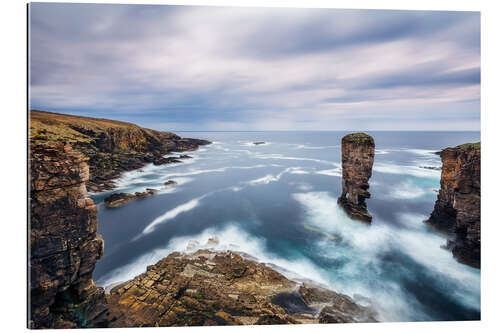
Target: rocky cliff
x: 457, y: 210
x: 358, y: 152
x: 204, y: 288
x: 111, y: 146
x: 64, y: 244
x: 223, y: 288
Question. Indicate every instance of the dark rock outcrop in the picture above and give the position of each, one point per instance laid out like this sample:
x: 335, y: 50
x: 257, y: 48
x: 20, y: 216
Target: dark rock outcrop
x: 259, y: 143
x: 64, y: 244
x: 223, y: 288
x: 457, y: 211
x: 112, y: 147
x: 166, y: 160
x: 358, y: 152
x: 120, y: 199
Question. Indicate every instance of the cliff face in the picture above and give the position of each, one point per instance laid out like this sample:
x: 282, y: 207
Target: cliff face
x: 64, y: 244
x: 358, y: 152
x: 223, y: 288
x: 457, y: 210
x: 111, y: 146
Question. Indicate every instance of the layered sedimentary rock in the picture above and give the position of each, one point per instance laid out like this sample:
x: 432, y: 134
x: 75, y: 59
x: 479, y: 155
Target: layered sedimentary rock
x: 358, y: 152
x: 64, y: 244
x: 224, y: 288
x: 111, y: 146
x: 457, y: 210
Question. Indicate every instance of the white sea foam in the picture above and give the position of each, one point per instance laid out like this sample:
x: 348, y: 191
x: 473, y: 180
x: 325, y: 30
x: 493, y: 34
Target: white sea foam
x: 231, y: 238
x: 282, y: 157
x: 315, y: 147
x: 411, y: 170
x: 423, y: 152
x: 407, y: 190
x: 193, y: 172
x: 274, y: 178
x: 364, y: 246
x: 172, y: 213
x: 265, y: 180
x: 331, y: 172
x: 302, y: 186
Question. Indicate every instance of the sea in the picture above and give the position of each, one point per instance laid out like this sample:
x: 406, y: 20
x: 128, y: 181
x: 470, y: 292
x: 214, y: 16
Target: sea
x: 277, y: 203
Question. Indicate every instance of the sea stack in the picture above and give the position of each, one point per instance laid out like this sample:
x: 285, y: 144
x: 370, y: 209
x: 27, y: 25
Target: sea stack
x: 457, y: 210
x: 358, y: 152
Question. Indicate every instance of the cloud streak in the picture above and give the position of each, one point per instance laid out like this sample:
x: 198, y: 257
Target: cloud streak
x: 220, y: 68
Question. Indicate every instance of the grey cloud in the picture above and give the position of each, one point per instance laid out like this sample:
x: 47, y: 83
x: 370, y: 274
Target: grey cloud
x: 213, y: 65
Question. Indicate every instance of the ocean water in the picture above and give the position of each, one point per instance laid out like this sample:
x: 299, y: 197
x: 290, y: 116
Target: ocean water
x: 277, y: 203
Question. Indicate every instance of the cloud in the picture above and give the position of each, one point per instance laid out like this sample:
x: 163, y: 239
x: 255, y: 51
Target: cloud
x: 223, y: 68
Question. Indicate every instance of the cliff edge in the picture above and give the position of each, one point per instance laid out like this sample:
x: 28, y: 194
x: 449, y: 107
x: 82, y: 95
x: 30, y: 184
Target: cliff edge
x: 457, y: 210
x: 111, y: 146
x: 64, y: 244
x: 358, y: 152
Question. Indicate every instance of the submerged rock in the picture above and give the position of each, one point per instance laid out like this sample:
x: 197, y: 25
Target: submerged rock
x: 259, y: 143
x: 358, y: 152
x: 170, y: 182
x: 457, y: 210
x: 223, y: 288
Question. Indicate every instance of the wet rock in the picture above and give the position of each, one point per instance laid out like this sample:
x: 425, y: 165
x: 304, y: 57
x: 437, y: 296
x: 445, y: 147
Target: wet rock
x: 120, y: 199
x: 430, y: 167
x: 259, y: 143
x: 166, y: 160
x: 358, y: 152
x: 170, y: 182
x: 220, y: 288
x: 185, y: 156
x: 457, y: 210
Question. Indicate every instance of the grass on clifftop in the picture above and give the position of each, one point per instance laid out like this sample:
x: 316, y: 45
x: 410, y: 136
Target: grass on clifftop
x: 61, y: 127
x: 358, y: 138
x: 467, y: 146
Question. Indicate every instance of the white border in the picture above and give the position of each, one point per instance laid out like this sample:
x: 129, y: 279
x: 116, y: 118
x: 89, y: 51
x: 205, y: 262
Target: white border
x: 13, y: 163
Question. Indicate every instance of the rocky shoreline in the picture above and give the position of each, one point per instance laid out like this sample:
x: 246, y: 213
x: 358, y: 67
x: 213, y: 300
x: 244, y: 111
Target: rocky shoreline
x: 112, y: 147
x: 224, y: 288
x: 202, y: 288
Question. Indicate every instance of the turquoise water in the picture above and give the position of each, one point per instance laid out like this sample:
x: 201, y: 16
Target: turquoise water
x: 277, y: 202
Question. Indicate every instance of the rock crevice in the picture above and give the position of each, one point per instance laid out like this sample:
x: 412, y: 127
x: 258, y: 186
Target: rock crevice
x: 358, y: 152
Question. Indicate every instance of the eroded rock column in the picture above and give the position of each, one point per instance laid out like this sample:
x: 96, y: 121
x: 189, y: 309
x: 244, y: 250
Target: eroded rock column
x: 64, y: 244
x: 457, y: 210
x: 358, y: 152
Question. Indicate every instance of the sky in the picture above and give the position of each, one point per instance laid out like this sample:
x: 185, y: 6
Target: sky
x: 220, y: 68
